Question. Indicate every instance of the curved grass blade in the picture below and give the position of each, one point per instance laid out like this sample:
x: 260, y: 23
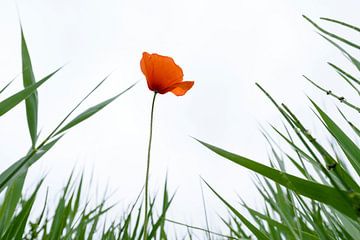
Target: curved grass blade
x: 352, y: 59
x: 28, y: 80
x: 312, y: 190
x: 348, y: 75
x: 348, y: 146
x: 341, y: 23
x: 331, y: 34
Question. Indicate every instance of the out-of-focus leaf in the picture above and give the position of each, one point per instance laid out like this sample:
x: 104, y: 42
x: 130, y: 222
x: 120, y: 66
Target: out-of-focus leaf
x: 341, y: 23
x: 259, y: 234
x: 348, y: 146
x: 6, y: 86
x: 332, y: 35
x: 11, y: 200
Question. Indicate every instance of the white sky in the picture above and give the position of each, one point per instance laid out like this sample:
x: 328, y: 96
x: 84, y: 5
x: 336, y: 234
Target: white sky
x: 224, y: 46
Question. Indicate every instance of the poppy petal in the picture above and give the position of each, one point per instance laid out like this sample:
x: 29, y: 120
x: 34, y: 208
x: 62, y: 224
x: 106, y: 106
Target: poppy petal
x: 147, y: 68
x: 166, y: 72
x: 179, y: 89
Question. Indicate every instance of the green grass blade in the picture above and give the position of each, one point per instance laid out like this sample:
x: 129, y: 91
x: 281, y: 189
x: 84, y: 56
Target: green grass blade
x: 90, y: 111
x: 6, y: 86
x: 248, y: 224
x: 352, y: 59
x: 29, y: 80
x: 281, y: 227
x: 21, y: 166
x: 348, y: 75
x: 331, y: 34
x: 329, y: 92
x: 9, y: 203
x: 348, y: 146
x: 15, y: 99
x: 312, y: 190
x: 17, y: 227
x: 341, y: 23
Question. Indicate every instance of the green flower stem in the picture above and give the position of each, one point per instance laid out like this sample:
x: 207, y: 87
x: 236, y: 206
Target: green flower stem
x: 148, y: 167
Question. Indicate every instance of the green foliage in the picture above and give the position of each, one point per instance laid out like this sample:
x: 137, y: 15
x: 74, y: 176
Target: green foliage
x: 70, y: 220
x: 324, y: 203
x: 319, y: 201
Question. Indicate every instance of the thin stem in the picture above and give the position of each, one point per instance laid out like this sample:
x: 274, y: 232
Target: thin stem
x: 148, y: 167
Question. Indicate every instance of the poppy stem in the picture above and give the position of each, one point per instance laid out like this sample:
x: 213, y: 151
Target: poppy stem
x: 148, y: 168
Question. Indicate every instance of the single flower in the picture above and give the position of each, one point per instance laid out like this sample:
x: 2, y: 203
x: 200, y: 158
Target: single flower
x: 163, y: 74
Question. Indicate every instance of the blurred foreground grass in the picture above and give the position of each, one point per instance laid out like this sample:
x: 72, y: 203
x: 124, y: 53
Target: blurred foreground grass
x: 321, y: 201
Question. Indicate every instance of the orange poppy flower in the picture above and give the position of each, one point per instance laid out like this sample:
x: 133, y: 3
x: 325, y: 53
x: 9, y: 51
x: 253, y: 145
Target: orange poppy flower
x: 163, y: 75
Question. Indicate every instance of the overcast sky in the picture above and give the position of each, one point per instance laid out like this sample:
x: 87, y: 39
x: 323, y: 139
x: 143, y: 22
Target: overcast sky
x: 224, y: 46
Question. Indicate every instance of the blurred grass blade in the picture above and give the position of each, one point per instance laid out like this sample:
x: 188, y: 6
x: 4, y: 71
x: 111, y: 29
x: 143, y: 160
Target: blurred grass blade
x: 6, y: 86
x: 303, y: 187
x: 347, y: 145
x: 10, y: 102
x: 352, y: 59
x: 90, y: 111
x: 341, y: 23
x: 29, y: 80
x: 249, y: 225
x: 9, y: 203
x: 18, y: 224
x: 282, y: 227
x: 331, y: 34
x: 21, y: 166
x: 343, y: 72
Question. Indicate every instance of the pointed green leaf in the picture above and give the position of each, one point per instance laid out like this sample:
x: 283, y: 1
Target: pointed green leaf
x: 341, y: 23
x: 332, y: 35
x: 248, y: 224
x: 32, y: 100
x: 312, y: 190
x: 10, y: 102
x: 347, y: 145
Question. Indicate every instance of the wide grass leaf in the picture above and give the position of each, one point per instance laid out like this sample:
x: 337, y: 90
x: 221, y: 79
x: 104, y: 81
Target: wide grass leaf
x: 32, y: 101
x: 12, y: 197
x: 322, y: 193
